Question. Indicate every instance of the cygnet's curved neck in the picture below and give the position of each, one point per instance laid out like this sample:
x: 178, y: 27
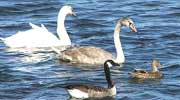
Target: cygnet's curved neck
x: 61, y: 30
x: 120, y: 55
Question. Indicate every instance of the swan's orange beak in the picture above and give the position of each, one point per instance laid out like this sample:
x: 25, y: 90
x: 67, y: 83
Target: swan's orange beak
x: 133, y: 28
x: 73, y: 13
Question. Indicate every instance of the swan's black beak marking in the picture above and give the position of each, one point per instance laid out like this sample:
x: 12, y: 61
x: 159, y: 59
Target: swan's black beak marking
x: 74, y: 14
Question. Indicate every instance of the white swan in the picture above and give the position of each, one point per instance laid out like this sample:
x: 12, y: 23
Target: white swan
x: 96, y: 55
x: 40, y: 36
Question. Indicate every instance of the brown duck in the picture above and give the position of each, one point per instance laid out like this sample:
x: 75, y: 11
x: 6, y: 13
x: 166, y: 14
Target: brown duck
x: 140, y: 73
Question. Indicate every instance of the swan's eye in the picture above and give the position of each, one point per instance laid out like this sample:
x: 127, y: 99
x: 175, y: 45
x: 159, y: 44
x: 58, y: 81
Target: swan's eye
x: 130, y: 23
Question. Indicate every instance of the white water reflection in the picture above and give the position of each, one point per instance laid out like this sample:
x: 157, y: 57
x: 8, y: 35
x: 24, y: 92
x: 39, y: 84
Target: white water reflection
x: 32, y: 55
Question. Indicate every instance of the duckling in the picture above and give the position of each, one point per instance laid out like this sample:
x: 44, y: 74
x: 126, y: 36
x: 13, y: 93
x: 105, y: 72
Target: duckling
x: 89, y: 91
x: 140, y: 73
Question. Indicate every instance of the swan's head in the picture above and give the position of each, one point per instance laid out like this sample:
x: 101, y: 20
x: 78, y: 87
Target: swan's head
x: 68, y: 10
x: 126, y: 21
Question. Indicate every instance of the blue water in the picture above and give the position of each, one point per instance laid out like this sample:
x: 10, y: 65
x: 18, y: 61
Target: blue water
x: 38, y: 75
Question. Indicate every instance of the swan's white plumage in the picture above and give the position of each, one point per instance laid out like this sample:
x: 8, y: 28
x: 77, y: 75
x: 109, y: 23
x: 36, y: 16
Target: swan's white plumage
x: 40, y: 36
x: 32, y: 38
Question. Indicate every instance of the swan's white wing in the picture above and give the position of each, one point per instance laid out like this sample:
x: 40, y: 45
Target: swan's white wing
x: 37, y: 27
x: 34, y: 26
x: 35, y: 37
x: 43, y: 27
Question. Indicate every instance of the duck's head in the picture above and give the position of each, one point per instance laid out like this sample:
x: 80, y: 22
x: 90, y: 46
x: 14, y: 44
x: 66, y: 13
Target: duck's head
x: 67, y: 9
x: 126, y: 21
x: 110, y: 63
x: 156, y: 63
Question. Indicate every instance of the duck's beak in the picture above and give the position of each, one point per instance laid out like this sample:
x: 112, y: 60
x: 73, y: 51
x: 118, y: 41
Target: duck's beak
x: 160, y: 65
x: 133, y: 28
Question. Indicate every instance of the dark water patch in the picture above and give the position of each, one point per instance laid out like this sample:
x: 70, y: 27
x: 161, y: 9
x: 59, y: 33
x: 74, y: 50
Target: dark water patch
x: 171, y: 36
x: 175, y: 14
x: 87, y: 23
x: 5, y: 77
x: 9, y: 10
x: 172, y: 67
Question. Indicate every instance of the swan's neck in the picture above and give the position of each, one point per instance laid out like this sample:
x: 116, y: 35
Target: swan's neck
x: 120, y: 55
x: 61, y: 30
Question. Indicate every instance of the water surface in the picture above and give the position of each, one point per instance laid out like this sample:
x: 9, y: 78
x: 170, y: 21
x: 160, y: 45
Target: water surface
x: 38, y: 75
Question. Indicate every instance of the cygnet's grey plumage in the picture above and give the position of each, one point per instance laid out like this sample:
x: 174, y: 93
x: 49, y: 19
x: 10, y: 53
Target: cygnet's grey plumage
x: 96, y: 55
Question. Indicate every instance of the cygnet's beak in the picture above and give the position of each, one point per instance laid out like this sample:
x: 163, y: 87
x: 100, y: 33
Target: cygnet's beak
x: 133, y: 28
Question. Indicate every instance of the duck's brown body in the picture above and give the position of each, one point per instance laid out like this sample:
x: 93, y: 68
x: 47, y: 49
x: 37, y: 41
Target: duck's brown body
x: 145, y: 74
x: 139, y: 73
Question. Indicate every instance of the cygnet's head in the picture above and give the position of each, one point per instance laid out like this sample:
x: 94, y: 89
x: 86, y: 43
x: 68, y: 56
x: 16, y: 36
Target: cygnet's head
x: 67, y: 9
x: 126, y: 21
